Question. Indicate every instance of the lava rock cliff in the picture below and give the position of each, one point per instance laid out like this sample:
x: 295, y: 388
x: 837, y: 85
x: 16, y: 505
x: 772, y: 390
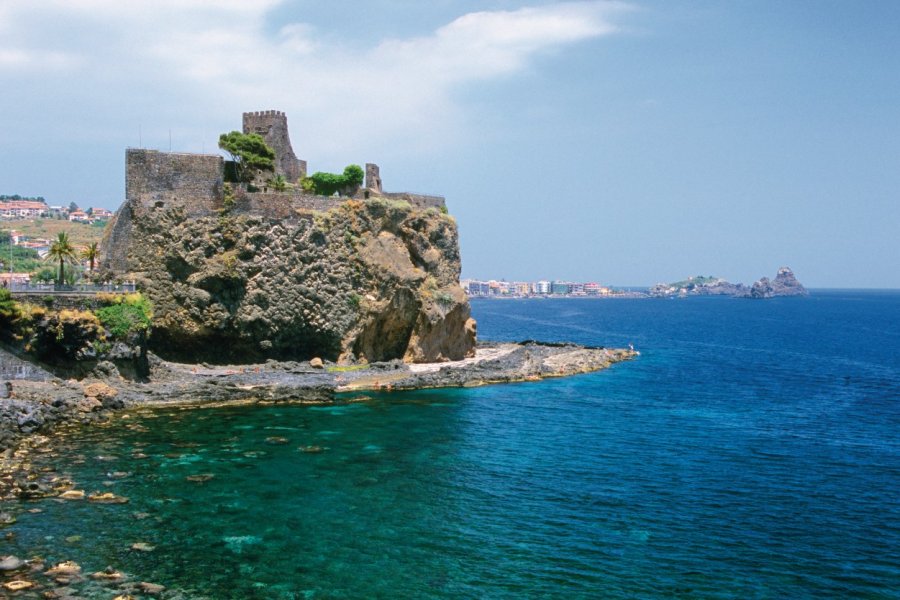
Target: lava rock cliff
x: 365, y: 280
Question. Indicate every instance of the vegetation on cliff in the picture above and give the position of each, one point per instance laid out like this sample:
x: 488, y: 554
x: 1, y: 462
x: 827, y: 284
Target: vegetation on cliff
x: 328, y: 184
x: 126, y: 314
x: 67, y: 335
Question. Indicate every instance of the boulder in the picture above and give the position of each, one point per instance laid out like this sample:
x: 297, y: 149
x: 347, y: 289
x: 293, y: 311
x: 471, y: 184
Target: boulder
x: 100, y: 391
x: 11, y: 563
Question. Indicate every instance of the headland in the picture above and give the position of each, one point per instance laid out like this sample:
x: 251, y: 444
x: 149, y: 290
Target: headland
x: 254, y: 285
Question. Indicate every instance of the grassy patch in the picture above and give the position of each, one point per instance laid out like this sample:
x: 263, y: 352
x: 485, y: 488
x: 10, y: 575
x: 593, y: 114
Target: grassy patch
x: 131, y: 313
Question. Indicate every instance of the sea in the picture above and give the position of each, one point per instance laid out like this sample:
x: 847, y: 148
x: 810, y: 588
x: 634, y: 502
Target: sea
x: 752, y: 450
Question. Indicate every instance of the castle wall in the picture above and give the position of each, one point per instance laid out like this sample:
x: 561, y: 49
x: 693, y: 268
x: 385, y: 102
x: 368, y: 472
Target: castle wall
x: 272, y: 126
x: 420, y: 201
x: 194, y: 180
x: 284, y: 205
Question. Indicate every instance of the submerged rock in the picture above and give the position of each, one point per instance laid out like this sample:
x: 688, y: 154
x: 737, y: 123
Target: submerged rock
x: 107, y: 498
x: 152, y: 589
x: 17, y: 585
x: 66, y: 568
x: 108, y: 574
x: 11, y: 563
x: 143, y: 547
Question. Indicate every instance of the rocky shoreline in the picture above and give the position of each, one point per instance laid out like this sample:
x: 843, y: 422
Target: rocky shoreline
x: 43, y: 402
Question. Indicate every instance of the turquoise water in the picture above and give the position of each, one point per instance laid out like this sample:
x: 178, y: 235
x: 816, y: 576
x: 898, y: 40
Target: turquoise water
x: 751, y: 452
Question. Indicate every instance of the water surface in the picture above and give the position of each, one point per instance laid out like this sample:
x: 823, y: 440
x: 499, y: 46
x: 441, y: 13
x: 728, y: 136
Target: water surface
x: 751, y: 452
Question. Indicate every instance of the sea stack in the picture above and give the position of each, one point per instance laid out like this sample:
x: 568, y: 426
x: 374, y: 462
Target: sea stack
x: 784, y: 284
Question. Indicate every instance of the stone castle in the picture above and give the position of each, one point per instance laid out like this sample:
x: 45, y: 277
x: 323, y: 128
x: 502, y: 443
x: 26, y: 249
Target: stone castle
x: 196, y: 181
x: 236, y: 275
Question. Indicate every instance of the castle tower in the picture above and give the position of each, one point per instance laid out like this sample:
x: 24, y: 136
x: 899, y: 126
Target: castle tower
x: 373, y: 177
x: 272, y: 126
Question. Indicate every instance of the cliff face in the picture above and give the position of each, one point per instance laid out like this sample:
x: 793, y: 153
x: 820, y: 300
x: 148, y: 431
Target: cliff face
x: 367, y: 279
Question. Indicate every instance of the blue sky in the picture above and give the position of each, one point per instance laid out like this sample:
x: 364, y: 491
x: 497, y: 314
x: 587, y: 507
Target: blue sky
x: 625, y: 143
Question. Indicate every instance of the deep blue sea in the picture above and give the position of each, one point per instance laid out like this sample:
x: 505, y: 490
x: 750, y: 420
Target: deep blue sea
x: 752, y: 451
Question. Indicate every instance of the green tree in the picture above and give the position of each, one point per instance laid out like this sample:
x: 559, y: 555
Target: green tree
x: 249, y: 152
x: 90, y: 254
x: 45, y: 275
x: 72, y: 207
x: 327, y: 184
x: 62, y: 250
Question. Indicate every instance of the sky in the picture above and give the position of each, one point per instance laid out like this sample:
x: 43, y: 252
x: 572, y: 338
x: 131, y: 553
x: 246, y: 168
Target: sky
x: 626, y: 143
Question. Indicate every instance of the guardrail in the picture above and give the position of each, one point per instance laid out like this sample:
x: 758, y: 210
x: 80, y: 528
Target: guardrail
x: 126, y: 287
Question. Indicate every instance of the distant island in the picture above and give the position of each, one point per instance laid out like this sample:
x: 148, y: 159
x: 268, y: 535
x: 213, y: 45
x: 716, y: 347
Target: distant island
x: 784, y: 284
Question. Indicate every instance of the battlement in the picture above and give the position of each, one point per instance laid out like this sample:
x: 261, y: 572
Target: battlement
x: 264, y: 113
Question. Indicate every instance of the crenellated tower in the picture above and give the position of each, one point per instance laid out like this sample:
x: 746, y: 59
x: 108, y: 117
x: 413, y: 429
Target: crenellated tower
x: 272, y: 126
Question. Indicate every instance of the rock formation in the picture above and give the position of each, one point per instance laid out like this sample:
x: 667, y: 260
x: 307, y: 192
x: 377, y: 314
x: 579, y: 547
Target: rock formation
x: 371, y: 280
x: 785, y: 284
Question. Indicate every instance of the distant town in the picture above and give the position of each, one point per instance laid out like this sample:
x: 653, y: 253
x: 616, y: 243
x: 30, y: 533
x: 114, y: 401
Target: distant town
x: 18, y: 208
x: 29, y: 227
x: 544, y: 288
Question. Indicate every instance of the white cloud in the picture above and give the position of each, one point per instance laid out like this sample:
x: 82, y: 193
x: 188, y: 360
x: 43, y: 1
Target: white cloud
x: 221, y: 57
x: 34, y: 60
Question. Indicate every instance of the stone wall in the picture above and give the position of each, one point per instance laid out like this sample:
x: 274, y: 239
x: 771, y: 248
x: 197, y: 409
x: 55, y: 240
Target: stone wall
x: 420, y: 201
x: 154, y: 179
x: 283, y: 205
x: 272, y: 126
